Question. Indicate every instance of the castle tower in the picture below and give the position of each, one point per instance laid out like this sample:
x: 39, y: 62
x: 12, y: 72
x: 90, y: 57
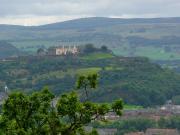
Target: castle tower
x: 75, y: 50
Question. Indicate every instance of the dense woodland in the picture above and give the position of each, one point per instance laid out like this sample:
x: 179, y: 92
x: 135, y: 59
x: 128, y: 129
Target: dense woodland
x: 137, y: 80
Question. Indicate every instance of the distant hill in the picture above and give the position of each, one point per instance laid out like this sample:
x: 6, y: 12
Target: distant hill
x: 7, y: 50
x: 136, y: 80
x: 156, y: 38
x: 95, y: 22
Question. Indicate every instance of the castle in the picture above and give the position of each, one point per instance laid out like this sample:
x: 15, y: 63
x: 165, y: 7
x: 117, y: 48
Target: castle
x: 63, y: 50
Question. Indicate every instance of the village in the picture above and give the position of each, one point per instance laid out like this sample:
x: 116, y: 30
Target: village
x: 166, y: 111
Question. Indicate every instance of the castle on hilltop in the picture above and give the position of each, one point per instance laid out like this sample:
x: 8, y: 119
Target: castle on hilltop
x: 62, y: 50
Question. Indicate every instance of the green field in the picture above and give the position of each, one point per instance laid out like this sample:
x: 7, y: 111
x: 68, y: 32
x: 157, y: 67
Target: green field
x: 150, y: 52
x: 132, y: 107
x: 97, y: 55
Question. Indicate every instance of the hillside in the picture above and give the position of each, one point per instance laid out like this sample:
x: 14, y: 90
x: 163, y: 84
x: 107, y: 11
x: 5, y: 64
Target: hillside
x: 96, y: 22
x: 137, y: 80
x: 7, y: 50
x: 156, y: 38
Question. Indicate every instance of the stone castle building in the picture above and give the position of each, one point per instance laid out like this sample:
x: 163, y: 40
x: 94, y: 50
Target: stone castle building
x: 62, y: 50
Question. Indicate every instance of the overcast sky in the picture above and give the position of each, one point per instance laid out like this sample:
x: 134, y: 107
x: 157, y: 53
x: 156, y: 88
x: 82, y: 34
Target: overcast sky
x: 37, y: 12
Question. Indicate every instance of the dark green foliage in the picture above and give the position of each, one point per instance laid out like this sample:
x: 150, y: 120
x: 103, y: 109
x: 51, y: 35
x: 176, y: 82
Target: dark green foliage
x: 85, y: 82
x: 104, y: 48
x: 24, y: 114
x: 138, y: 83
x: 89, y: 48
x: 135, y: 125
x: 117, y: 106
x: 136, y: 80
x: 37, y: 114
x: 94, y: 132
x: 78, y: 114
x: 173, y: 122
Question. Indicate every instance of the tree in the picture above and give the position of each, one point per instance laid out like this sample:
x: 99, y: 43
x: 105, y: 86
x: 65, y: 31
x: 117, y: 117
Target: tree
x: 172, y: 122
x: 89, y: 48
x: 85, y: 82
x: 104, y: 48
x: 40, y: 51
x: 36, y: 114
x: 25, y: 114
x: 77, y: 113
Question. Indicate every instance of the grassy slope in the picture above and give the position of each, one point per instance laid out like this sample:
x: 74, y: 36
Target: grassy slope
x: 96, y: 56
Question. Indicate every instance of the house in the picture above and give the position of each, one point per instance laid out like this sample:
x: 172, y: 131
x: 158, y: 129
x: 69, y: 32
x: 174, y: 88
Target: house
x: 175, y: 109
x: 161, y: 132
x: 102, y: 131
x: 108, y: 131
x: 152, y: 131
x: 135, y: 133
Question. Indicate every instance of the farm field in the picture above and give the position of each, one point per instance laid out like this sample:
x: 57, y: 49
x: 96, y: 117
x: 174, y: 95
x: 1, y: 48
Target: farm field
x: 150, y: 52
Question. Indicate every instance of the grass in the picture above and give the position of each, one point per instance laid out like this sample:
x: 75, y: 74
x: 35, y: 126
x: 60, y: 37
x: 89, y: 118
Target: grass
x: 120, y: 51
x: 95, y: 56
x: 153, y: 53
x: 132, y: 107
x: 113, y: 68
x: 71, y: 72
x: 157, y: 53
x: 85, y: 71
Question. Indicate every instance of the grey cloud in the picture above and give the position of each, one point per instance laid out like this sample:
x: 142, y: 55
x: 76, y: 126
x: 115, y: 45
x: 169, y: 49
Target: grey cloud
x: 131, y: 8
x: 101, y: 7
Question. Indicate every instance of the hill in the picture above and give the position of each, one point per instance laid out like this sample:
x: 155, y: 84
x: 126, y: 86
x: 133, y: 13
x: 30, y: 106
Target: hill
x: 96, y: 22
x: 156, y: 38
x: 7, y: 50
x: 137, y: 80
